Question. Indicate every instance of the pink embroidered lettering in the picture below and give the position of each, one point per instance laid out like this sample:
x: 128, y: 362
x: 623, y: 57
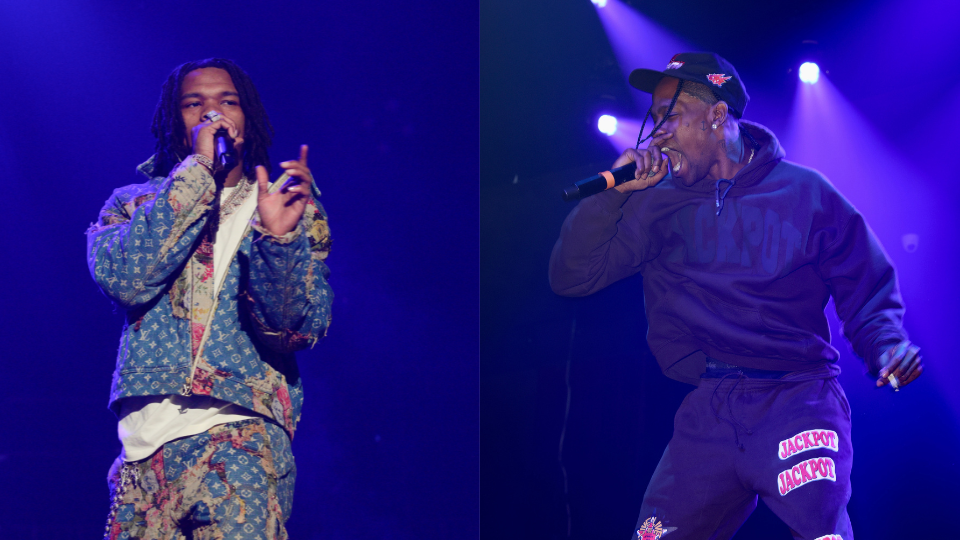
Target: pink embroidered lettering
x: 651, y: 529
x: 808, y: 440
x: 805, y: 472
x: 829, y: 537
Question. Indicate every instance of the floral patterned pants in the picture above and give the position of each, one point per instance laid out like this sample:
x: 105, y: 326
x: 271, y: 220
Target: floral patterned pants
x: 234, y: 481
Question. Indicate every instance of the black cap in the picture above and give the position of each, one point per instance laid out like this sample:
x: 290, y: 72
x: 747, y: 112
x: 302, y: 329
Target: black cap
x: 702, y: 67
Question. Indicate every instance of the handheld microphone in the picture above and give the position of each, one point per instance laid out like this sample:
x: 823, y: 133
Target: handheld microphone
x: 224, y: 154
x: 600, y: 182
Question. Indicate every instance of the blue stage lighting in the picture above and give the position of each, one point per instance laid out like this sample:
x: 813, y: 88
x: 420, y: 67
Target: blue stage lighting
x: 599, y: 3
x: 809, y: 72
x: 607, y: 124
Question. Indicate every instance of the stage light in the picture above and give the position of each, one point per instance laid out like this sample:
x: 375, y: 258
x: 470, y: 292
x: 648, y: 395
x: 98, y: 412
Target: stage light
x: 607, y: 124
x: 809, y: 72
x: 599, y: 3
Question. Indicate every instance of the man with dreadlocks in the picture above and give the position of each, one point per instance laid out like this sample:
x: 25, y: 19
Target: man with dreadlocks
x: 740, y: 250
x: 222, y: 277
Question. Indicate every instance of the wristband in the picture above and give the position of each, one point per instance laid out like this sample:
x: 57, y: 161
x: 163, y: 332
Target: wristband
x: 203, y: 160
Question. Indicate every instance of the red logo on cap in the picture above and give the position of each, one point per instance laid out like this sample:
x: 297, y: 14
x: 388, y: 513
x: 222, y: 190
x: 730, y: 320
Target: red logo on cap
x: 674, y: 63
x: 719, y: 78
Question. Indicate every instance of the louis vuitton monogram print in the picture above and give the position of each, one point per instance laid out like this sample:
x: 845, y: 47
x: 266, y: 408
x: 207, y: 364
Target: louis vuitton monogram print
x: 149, y: 253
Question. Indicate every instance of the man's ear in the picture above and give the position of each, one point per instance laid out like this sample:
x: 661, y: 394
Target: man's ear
x: 719, y: 113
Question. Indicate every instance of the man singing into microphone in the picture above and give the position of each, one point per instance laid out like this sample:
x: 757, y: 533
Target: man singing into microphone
x: 222, y: 277
x: 740, y: 250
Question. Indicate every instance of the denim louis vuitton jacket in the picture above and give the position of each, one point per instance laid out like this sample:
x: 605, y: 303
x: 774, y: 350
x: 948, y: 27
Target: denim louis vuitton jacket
x: 150, y: 252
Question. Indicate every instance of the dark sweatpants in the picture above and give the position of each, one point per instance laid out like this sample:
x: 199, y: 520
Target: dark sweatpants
x: 786, y: 440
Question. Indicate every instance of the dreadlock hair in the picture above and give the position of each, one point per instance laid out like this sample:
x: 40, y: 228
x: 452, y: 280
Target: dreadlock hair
x: 676, y: 95
x: 705, y: 94
x: 171, y: 132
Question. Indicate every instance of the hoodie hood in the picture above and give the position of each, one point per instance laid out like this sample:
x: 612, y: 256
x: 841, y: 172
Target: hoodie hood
x: 766, y: 158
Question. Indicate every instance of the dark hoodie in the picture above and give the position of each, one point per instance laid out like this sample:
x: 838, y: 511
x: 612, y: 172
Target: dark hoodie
x: 748, y: 286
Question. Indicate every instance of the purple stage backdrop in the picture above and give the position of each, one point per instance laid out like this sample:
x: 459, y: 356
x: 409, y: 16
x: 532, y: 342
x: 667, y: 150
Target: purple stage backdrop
x: 880, y: 124
x: 385, y: 94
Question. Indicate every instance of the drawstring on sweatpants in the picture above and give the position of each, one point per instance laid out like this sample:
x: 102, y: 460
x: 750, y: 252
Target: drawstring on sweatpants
x: 734, y: 423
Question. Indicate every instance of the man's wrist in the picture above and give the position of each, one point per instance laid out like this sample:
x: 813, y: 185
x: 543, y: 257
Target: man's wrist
x: 204, y: 160
x: 285, y: 238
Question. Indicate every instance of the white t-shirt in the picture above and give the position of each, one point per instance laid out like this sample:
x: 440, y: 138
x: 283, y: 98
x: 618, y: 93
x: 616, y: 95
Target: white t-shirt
x: 149, y: 422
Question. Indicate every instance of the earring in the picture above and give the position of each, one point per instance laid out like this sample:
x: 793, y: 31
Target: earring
x: 714, y: 125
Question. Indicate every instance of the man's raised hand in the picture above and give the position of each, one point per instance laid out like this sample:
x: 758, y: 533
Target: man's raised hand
x: 651, y: 167
x: 201, y: 136
x: 280, y: 211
